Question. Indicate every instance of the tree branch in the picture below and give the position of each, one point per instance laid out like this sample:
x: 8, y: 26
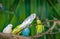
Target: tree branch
x: 10, y: 36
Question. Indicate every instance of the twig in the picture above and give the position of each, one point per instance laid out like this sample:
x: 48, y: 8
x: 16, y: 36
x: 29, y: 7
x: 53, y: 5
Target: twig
x: 10, y: 36
x: 48, y: 24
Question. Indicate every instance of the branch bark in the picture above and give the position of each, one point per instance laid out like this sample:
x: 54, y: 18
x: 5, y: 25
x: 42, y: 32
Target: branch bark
x: 48, y: 31
x: 10, y: 36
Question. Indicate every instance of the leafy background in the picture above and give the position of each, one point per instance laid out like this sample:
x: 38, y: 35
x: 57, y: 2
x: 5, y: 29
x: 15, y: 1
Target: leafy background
x: 15, y: 11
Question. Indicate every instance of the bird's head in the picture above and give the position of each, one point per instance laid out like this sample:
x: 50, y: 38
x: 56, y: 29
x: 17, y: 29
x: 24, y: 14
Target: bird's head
x: 38, y: 21
x: 10, y: 25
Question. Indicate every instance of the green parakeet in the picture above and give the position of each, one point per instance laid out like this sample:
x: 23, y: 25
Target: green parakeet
x: 39, y: 27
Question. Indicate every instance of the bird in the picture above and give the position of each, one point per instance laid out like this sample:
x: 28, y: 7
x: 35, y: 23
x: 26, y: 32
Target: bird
x: 24, y: 24
x: 39, y: 26
x: 25, y: 32
x: 8, y: 29
x: 17, y: 30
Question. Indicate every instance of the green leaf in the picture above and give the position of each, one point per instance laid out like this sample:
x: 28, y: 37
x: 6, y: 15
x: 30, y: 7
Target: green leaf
x: 7, y: 4
x: 20, y: 11
x: 2, y: 20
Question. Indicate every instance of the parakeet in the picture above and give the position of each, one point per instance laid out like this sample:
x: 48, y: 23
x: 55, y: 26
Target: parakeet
x: 8, y: 28
x: 17, y: 30
x: 25, y: 32
x: 25, y: 24
x: 39, y: 27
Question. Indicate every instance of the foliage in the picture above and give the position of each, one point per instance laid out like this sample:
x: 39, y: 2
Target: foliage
x: 15, y: 11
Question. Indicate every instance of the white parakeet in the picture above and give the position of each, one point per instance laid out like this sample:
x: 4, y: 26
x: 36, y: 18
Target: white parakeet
x: 39, y: 27
x: 8, y: 28
x: 25, y: 24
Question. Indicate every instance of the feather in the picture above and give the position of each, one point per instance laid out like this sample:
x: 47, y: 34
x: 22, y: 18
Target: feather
x: 25, y: 24
x: 25, y: 32
x: 39, y: 26
x: 8, y: 28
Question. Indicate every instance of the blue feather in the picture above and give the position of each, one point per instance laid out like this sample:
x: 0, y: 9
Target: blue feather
x: 26, y: 32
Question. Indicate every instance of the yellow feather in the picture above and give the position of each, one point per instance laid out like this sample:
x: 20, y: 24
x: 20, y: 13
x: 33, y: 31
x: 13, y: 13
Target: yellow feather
x: 39, y: 26
x: 16, y: 30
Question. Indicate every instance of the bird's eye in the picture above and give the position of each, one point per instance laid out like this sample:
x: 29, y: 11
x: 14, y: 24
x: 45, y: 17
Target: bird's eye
x: 10, y: 26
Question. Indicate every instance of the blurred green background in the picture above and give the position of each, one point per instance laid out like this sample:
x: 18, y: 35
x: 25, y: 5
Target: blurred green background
x: 15, y: 11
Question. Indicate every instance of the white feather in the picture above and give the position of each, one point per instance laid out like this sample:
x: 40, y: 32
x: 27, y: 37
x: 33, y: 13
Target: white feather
x: 28, y: 21
x: 8, y: 28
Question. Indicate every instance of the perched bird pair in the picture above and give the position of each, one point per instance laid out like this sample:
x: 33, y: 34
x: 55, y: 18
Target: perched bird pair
x: 25, y: 24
